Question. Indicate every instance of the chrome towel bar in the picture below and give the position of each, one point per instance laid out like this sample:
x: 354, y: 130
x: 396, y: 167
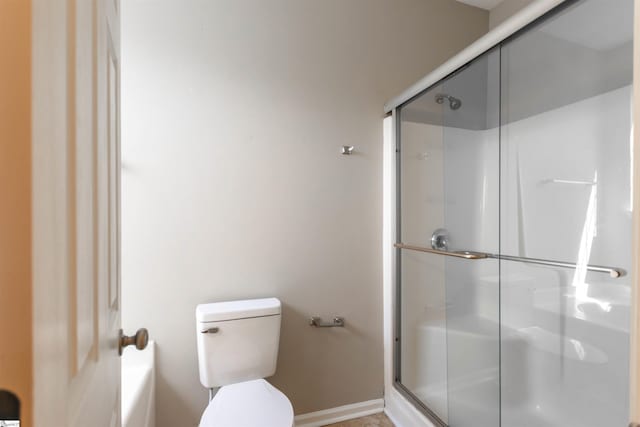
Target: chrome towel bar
x: 318, y: 323
x: 612, y: 271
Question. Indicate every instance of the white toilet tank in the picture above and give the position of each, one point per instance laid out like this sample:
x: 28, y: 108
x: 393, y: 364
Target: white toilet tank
x: 237, y: 340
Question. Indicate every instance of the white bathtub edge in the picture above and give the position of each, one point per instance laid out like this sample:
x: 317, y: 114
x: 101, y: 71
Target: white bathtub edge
x: 151, y: 408
x: 139, y: 366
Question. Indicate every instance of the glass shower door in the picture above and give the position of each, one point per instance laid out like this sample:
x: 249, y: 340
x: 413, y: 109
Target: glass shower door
x: 421, y: 334
x: 514, y: 229
x: 566, y: 196
x: 448, y: 330
x: 471, y: 218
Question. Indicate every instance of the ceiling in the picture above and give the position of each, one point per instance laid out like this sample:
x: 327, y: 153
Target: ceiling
x: 484, y: 4
x: 595, y: 24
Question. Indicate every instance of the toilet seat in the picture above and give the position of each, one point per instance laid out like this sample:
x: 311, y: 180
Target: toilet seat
x: 248, y: 404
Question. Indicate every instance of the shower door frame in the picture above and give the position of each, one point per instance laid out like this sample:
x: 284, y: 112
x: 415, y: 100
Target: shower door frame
x: 397, y: 329
x: 400, y: 404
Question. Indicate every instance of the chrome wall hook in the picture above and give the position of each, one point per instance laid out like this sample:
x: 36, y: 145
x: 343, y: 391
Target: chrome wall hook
x: 347, y: 150
x: 318, y: 323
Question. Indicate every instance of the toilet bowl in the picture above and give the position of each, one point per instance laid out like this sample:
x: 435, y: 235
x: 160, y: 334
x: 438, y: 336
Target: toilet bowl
x: 237, y: 348
x: 248, y: 404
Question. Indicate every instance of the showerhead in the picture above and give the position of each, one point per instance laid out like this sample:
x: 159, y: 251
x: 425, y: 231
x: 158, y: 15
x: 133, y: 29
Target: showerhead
x: 454, y: 103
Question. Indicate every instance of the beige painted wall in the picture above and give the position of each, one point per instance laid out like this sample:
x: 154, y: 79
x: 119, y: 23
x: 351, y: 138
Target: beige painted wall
x: 505, y: 10
x: 15, y: 193
x: 233, y: 185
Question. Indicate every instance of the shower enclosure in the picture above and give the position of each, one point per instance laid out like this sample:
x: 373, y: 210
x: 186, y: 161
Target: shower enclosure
x: 513, y: 231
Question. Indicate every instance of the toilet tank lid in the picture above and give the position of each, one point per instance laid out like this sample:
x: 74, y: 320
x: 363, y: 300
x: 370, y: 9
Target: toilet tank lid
x: 232, y: 310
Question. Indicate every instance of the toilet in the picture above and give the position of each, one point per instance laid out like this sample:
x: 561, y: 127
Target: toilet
x: 237, y: 349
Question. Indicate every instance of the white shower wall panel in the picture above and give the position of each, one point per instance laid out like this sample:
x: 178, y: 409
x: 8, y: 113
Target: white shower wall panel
x: 566, y: 196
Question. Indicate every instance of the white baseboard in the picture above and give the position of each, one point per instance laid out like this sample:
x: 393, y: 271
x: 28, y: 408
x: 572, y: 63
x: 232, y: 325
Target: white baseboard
x: 402, y: 413
x: 341, y: 413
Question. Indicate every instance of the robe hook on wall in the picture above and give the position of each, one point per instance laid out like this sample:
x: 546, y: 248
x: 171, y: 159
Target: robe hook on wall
x: 347, y: 150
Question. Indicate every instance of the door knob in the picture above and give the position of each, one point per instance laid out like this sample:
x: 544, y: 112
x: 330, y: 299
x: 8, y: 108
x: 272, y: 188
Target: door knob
x: 140, y: 340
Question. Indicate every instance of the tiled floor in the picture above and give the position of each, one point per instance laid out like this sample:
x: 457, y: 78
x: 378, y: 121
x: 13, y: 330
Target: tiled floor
x: 378, y: 420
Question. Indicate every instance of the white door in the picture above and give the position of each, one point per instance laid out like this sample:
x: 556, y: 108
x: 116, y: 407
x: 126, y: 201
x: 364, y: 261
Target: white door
x: 76, y: 173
